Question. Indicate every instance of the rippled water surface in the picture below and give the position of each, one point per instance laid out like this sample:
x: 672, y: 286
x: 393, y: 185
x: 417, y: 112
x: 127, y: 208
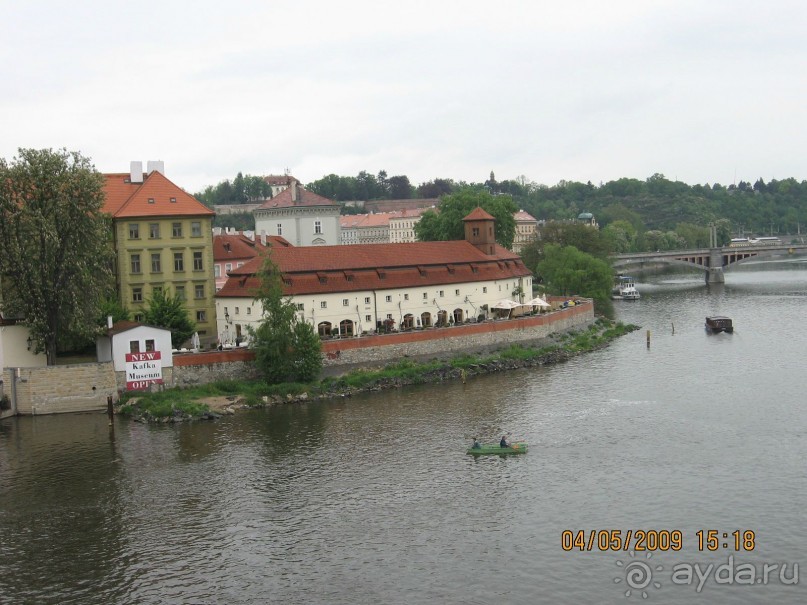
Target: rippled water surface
x: 373, y: 500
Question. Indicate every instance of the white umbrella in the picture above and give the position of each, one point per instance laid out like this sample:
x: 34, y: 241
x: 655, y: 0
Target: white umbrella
x: 537, y: 302
x: 505, y: 304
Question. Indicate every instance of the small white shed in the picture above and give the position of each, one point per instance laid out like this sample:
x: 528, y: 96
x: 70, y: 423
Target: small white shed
x: 130, y: 337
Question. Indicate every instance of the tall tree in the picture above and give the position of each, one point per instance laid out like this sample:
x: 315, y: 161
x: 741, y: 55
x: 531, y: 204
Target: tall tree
x: 286, y: 348
x: 447, y: 223
x: 166, y: 310
x: 565, y: 270
x: 56, y: 257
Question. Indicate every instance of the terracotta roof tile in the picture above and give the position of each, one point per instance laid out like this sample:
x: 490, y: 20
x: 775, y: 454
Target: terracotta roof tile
x: 304, y: 198
x: 240, y: 247
x: 377, y: 266
x: 152, y: 197
x: 477, y: 214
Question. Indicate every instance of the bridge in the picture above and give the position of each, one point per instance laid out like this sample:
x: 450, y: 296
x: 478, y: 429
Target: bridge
x: 711, y: 261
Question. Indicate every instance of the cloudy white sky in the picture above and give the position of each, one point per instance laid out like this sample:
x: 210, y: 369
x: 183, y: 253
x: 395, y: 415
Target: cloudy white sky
x: 699, y: 90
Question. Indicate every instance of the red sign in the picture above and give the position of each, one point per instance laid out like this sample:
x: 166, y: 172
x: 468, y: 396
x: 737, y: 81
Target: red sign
x: 142, y: 370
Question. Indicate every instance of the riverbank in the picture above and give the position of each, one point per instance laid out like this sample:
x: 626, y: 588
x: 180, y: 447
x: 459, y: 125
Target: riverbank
x: 226, y: 397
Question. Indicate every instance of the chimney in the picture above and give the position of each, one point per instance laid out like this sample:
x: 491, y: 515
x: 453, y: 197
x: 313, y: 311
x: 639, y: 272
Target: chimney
x: 263, y: 237
x: 135, y: 172
x: 109, y: 321
x: 293, y: 187
x: 155, y: 165
x: 216, y: 230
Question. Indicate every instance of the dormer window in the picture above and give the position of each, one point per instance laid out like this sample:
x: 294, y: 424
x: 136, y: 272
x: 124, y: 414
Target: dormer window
x: 151, y: 200
x: 173, y: 200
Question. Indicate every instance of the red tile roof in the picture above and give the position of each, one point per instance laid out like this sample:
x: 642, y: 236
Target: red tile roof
x: 240, y: 247
x: 304, y: 198
x: 477, y: 214
x: 125, y: 199
x: 377, y: 266
x: 523, y: 215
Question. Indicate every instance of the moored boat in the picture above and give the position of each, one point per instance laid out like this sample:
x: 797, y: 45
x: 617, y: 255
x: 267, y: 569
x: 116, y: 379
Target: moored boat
x: 625, y: 289
x: 718, y: 323
x: 519, y: 447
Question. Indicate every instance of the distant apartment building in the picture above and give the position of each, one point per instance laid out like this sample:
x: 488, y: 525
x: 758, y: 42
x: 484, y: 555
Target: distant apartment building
x: 163, y: 241
x: 300, y: 216
x: 526, y: 230
x: 380, y: 227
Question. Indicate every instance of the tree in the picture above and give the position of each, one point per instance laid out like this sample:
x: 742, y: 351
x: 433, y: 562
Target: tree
x: 112, y: 307
x: 56, y: 247
x: 447, y: 223
x: 287, y: 349
x: 566, y: 270
x: 168, y: 311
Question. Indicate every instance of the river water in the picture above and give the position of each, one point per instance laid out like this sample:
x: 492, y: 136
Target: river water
x: 373, y: 499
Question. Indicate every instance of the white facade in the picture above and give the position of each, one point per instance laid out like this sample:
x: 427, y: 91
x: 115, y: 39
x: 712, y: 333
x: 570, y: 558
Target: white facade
x: 357, y: 312
x: 402, y: 229
x: 140, y: 339
x: 301, y: 225
x: 15, y: 352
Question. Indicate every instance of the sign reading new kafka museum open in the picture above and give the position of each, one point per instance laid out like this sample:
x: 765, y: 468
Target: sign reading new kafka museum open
x: 142, y: 370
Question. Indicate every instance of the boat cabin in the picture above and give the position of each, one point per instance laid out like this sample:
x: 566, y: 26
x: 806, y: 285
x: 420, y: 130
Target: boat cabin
x: 718, y: 323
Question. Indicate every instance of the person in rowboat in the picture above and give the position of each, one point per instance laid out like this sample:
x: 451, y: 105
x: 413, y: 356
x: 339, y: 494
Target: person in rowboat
x: 503, y: 442
x: 476, y: 445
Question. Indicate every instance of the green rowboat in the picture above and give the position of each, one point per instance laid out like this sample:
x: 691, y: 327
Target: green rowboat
x: 519, y: 447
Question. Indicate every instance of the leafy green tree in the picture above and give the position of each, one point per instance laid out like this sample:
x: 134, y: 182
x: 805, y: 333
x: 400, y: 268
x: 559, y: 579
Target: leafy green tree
x: 168, y: 311
x: 400, y: 188
x: 286, y: 348
x: 55, y: 244
x: 435, y: 188
x: 112, y: 307
x: 566, y: 271
x: 447, y: 223
x: 584, y: 237
x: 620, y: 235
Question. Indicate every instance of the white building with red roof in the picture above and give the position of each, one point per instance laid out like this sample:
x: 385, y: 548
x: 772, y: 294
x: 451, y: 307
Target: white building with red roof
x: 301, y: 216
x: 526, y: 230
x: 350, y: 290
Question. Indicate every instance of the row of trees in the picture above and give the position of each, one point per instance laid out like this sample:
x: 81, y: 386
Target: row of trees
x: 241, y: 190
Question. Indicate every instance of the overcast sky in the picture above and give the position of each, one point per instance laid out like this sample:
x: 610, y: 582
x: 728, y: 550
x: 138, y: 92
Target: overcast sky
x: 701, y: 91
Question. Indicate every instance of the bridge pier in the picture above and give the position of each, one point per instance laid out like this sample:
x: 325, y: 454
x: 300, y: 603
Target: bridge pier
x: 714, y: 275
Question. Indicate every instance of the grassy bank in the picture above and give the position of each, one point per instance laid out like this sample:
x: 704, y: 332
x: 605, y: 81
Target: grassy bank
x: 181, y: 404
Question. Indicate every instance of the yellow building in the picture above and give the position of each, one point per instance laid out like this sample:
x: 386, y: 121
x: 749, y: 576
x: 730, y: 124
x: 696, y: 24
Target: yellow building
x: 163, y: 240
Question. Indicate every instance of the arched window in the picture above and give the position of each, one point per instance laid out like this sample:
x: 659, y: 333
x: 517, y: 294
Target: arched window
x: 324, y: 329
x: 346, y: 327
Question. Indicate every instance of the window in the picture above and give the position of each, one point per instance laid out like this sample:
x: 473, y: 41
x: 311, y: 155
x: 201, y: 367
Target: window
x: 198, y: 265
x: 201, y: 316
x: 388, y: 298
x: 137, y: 294
x: 317, y: 227
x: 237, y: 310
x: 199, y: 291
x: 138, y: 317
x: 300, y: 306
x: 176, y: 228
x: 323, y: 305
x: 368, y: 318
x: 345, y: 302
x: 134, y: 346
x: 366, y: 300
x: 456, y: 292
x: 180, y: 290
x: 179, y: 261
x: 216, y: 270
x: 228, y: 267
x: 249, y: 310
x: 389, y: 315
x: 406, y: 297
x: 279, y: 229
x: 155, y: 263
x: 196, y: 229
x: 134, y: 231
x: 239, y: 265
x: 135, y: 258
x: 475, y: 231
x: 442, y: 294
x: 149, y: 346
x: 173, y: 200
x: 425, y: 295
x: 154, y: 230
x: 151, y: 200
x: 484, y: 289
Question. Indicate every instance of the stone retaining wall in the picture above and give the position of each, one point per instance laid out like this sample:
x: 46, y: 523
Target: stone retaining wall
x: 58, y: 389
